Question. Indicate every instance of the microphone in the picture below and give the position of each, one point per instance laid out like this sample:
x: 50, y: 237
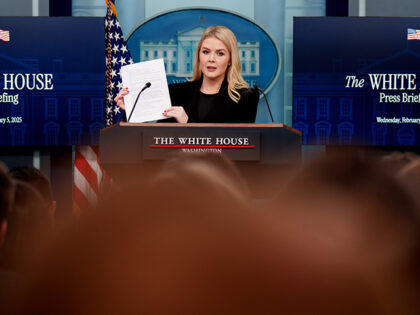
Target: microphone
x: 266, y: 101
x: 146, y: 86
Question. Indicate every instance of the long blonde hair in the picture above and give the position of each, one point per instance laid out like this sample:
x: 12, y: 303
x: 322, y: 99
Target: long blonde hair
x: 234, y: 77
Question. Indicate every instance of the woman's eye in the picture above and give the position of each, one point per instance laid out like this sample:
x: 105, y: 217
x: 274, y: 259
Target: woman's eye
x: 205, y: 52
x: 220, y: 53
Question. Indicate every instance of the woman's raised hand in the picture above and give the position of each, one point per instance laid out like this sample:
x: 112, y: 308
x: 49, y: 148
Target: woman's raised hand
x: 119, y: 99
x: 176, y: 112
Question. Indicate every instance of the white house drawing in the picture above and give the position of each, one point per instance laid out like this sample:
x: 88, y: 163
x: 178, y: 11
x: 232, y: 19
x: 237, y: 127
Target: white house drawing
x: 178, y: 53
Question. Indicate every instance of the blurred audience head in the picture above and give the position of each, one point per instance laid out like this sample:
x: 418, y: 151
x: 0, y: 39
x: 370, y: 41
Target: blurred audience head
x: 353, y: 215
x: 39, y: 181
x: 201, y: 179
x: 409, y: 176
x: 6, y: 199
x: 395, y: 161
x: 28, y: 228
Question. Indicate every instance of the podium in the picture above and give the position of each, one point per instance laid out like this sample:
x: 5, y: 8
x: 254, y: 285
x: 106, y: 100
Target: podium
x: 260, y: 151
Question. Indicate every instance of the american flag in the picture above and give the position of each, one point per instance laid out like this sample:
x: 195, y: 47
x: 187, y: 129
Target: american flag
x: 413, y: 34
x: 88, y: 174
x: 88, y: 178
x: 4, y: 35
x: 117, y: 55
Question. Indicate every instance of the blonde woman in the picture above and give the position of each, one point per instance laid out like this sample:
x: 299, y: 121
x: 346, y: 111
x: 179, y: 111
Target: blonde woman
x: 217, y: 93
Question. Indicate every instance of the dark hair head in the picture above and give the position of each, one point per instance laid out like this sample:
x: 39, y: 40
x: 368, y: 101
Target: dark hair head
x: 6, y: 191
x: 28, y: 224
x: 34, y: 177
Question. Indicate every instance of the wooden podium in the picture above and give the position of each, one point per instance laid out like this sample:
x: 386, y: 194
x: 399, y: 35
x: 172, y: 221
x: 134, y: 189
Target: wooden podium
x: 260, y: 151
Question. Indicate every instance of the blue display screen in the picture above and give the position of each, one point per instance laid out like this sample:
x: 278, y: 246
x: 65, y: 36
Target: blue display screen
x: 52, y: 80
x: 356, y: 80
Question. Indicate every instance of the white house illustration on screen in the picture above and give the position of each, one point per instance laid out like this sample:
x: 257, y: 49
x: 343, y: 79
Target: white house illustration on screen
x: 178, y: 53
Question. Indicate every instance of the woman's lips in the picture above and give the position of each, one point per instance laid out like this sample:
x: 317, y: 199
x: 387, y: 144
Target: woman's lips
x: 211, y: 68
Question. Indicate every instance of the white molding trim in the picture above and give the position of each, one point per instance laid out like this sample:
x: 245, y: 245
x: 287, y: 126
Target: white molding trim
x: 35, y: 7
x: 362, y: 7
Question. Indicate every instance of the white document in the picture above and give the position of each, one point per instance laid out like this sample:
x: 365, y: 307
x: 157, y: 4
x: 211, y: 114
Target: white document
x: 149, y: 79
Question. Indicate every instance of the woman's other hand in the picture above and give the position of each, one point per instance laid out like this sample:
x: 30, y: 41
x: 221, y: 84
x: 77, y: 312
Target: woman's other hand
x: 176, y: 112
x: 119, y: 99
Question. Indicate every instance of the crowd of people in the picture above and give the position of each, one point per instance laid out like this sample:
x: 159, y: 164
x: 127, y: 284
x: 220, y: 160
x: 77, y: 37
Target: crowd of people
x: 341, y: 235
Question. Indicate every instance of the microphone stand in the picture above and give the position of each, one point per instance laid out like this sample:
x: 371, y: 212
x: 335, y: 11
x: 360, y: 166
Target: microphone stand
x: 147, y: 85
x: 266, y: 101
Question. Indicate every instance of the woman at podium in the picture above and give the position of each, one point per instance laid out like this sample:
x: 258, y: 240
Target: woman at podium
x: 217, y: 93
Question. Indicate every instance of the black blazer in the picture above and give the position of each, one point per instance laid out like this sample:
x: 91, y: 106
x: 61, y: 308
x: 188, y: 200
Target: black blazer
x: 224, y: 110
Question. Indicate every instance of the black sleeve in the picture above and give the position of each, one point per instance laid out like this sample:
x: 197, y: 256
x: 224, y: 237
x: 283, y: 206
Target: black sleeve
x: 248, y: 105
x: 181, y: 95
x: 175, y: 93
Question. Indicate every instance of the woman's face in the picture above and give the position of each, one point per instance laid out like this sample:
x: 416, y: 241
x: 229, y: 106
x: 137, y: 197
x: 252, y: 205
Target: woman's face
x: 214, y: 58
